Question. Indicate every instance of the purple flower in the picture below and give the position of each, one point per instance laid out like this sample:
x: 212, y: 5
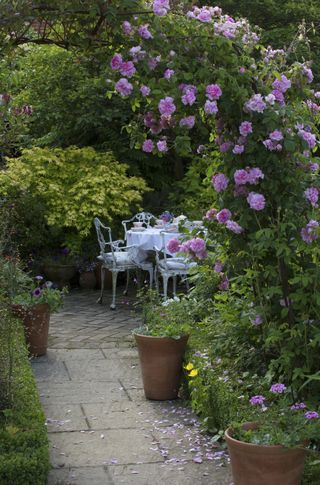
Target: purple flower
x: 144, y: 32
x: 308, y: 137
x: 270, y: 99
x: 234, y: 227
x: 213, y: 91
x: 254, y: 174
x: 153, y: 62
x: 148, y: 146
x: 220, y: 182
x: 65, y: 251
x: 238, y: 149
x: 166, y: 216
x: 188, y: 122
x: 161, y: 7
x: 224, y: 283
x: 282, y: 84
x: 297, y: 406
x: 218, y: 267
x: 258, y: 320
x: 224, y: 147
x: 223, y: 216
x: 162, y: 146
x: 166, y: 106
x: 201, y: 149
x: 278, y: 95
x: 311, y: 415
x: 127, y: 69
x: 257, y: 400
x: 278, y: 388
x: 276, y: 135
x: 256, y: 201
x: 173, y: 245
x: 127, y: 28
x: 256, y: 104
x: 124, y: 87
x: 211, y: 214
x: 188, y: 98
x: 145, y: 90
x: 245, y: 128
x: 312, y: 195
x: 240, y: 177
x: 168, y: 73
x: 308, y: 73
x: 197, y: 245
x: 310, y: 233
x: 210, y: 107
x: 37, y: 293
x: 38, y: 278
x: 116, y: 62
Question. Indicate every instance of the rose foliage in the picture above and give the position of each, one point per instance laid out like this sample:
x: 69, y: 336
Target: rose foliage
x: 201, y: 77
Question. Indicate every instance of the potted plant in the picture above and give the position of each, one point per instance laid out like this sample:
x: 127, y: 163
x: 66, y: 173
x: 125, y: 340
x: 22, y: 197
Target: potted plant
x: 61, y: 268
x: 270, y: 448
x: 87, y: 278
x: 34, y: 306
x: 162, y: 339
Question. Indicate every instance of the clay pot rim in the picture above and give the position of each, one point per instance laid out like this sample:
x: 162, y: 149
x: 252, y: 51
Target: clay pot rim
x: 262, y: 448
x: 183, y: 336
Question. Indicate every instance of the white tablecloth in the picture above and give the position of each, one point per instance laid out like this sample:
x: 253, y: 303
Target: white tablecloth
x: 150, y: 238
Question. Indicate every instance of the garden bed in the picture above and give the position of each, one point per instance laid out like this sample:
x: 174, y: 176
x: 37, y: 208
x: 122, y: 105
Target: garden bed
x: 24, y: 451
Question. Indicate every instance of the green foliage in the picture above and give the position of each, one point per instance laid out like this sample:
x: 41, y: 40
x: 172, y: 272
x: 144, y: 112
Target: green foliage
x: 73, y: 186
x: 24, y: 455
x: 172, y: 318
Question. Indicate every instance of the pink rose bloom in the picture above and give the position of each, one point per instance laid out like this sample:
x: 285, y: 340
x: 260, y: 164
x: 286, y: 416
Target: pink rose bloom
x: 167, y: 106
x: 127, y: 69
x: 144, y: 32
x: 161, y: 7
x: 162, y: 146
x: 224, y: 147
x: 240, y: 177
x: 276, y: 135
x: 245, y: 128
x: 310, y: 232
x: 282, y: 84
x: 238, y: 149
x: 211, y: 214
x: 127, y: 28
x: 188, y: 122
x: 145, y: 90
x: 148, y: 146
x: 220, y: 182
x: 210, y: 107
x: 224, y: 284
x: 256, y: 201
x: 124, y: 87
x: 234, y: 227
x: 218, y: 267
x: 168, y: 73
x: 254, y: 174
x: 173, y: 245
x: 223, y: 216
x: 213, y: 91
x: 312, y: 195
x: 116, y: 62
x: 197, y: 245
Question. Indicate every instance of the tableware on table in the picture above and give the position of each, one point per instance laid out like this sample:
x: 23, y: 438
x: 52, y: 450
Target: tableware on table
x: 197, y: 223
x: 138, y: 229
x: 138, y: 224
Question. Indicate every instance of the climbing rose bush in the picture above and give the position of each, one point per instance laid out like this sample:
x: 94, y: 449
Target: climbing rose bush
x: 199, y: 84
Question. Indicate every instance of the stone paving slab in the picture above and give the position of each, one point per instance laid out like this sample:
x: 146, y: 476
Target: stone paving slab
x: 102, y: 430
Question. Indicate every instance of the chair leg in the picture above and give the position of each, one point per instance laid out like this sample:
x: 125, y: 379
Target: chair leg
x: 156, y: 281
x: 174, y: 278
x: 127, y: 283
x: 187, y: 283
x: 99, y: 300
x: 114, y: 289
x: 151, y: 277
x: 165, y: 286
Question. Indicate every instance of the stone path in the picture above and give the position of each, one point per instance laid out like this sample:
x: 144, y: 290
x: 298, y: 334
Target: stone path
x: 102, y: 430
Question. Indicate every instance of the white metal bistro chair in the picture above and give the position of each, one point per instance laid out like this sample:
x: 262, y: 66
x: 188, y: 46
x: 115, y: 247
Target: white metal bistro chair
x: 144, y: 217
x: 119, y: 258
x: 170, y: 267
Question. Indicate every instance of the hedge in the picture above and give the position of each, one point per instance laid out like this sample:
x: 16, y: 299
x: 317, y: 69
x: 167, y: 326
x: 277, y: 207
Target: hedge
x: 24, y: 448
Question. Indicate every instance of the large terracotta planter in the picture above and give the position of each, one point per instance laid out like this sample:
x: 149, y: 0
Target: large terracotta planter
x: 61, y: 274
x: 161, y: 365
x: 87, y: 280
x: 264, y: 465
x: 36, y: 326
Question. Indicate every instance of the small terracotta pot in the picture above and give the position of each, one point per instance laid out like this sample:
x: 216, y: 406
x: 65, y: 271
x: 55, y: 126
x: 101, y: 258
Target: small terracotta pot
x: 161, y: 365
x: 36, y: 326
x: 87, y: 280
x: 264, y: 465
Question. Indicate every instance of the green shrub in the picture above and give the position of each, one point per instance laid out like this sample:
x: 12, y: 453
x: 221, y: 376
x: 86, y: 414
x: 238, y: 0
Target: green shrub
x: 24, y: 455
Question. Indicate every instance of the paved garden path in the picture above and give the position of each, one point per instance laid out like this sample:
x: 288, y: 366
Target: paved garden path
x: 102, y: 430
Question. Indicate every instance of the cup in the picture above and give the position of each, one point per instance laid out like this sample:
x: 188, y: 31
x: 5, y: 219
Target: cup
x: 137, y: 224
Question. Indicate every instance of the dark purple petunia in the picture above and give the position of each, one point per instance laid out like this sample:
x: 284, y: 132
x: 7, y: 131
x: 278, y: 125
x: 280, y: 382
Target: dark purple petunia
x: 37, y: 293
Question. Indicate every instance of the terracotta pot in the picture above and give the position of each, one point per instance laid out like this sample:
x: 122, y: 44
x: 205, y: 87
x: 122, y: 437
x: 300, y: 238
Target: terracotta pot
x: 161, y: 365
x: 264, y: 465
x: 87, y: 280
x: 61, y: 274
x: 107, y: 277
x: 36, y: 326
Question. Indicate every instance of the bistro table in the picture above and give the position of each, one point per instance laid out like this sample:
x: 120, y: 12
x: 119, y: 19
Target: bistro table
x: 150, y: 238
